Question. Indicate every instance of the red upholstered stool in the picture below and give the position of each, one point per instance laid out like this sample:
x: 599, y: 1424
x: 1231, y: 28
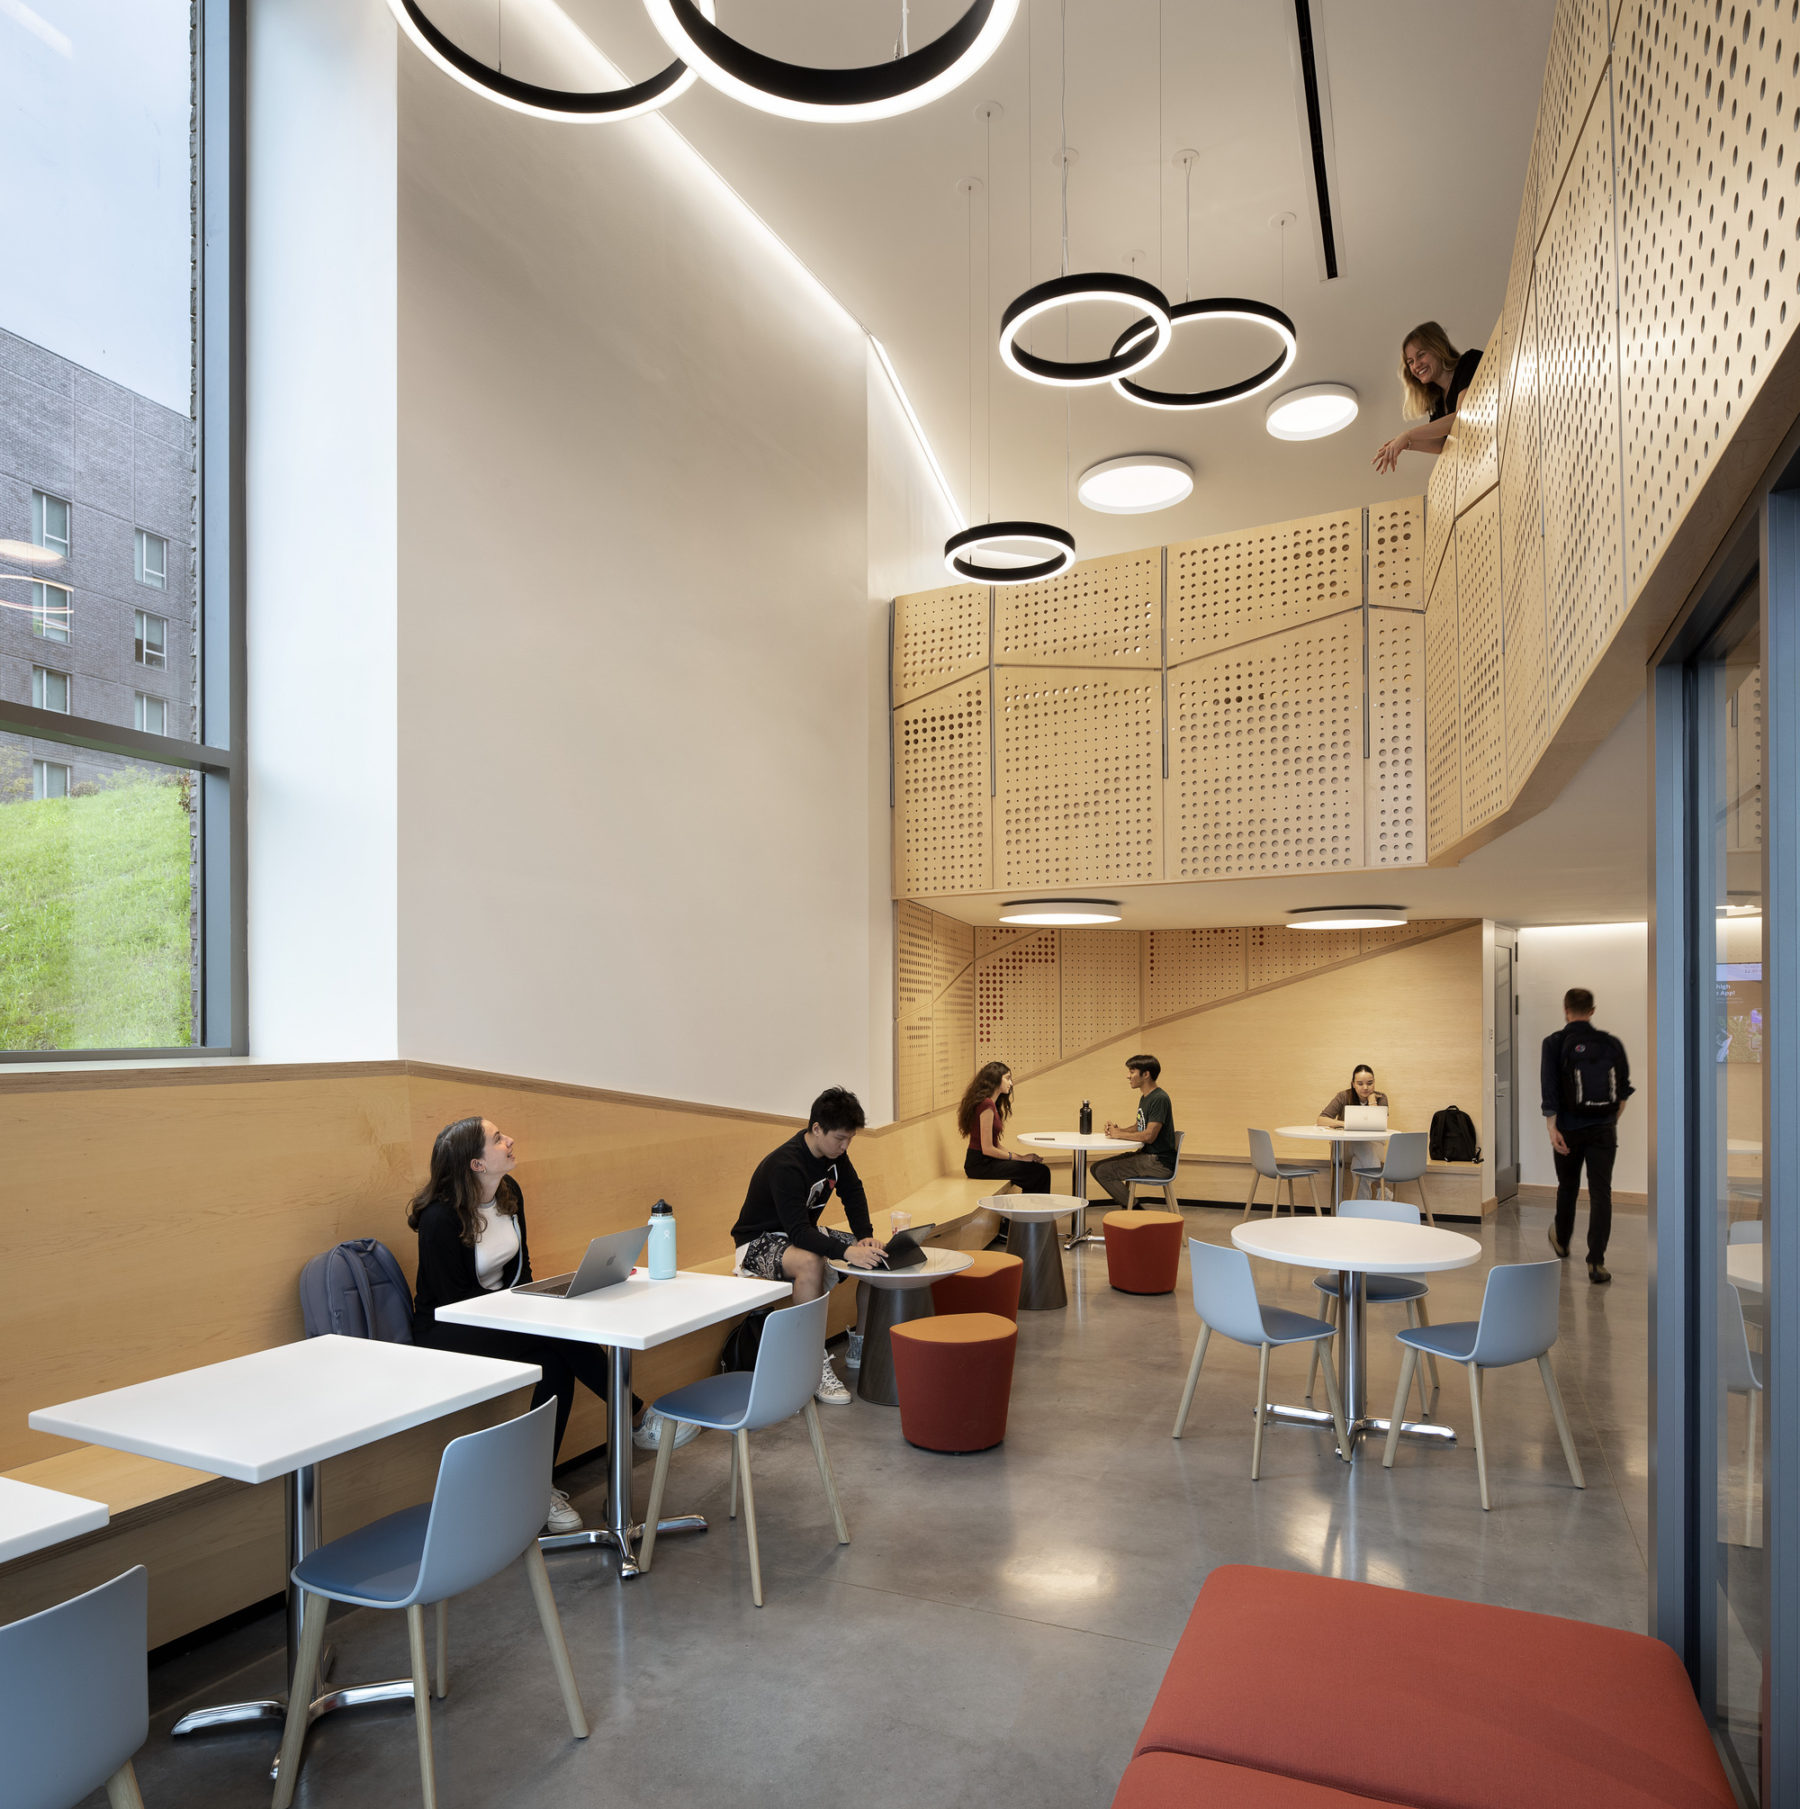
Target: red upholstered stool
x: 1143, y: 1251
x: 990, y: 1284
x: 954, y: 1378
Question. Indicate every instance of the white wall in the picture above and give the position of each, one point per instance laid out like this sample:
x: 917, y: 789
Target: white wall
x: 1612, y: 961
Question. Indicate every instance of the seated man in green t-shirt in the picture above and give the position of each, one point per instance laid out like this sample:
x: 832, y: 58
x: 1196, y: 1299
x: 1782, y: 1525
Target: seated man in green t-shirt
x: 1155, y: 1130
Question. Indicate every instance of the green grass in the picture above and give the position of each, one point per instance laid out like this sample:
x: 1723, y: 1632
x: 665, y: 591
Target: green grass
x: 95, y: 904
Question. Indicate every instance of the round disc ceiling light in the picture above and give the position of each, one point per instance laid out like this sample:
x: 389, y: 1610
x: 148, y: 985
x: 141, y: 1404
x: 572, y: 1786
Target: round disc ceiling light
x: 1059, y: 913
x: 1218, y: 307
x: 833, y: 96
x: 1009, y: 552
x: 1072, y: 291
x: 1347, y: 917
x: 1312, y: 411
x: 1137, y: 484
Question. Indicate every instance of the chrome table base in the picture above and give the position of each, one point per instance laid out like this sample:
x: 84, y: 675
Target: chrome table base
x: 1360, y: 1429
x: 1078, y: 1231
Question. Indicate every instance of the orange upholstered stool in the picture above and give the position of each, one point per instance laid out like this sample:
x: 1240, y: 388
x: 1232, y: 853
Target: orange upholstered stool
x: 990, y: 1284
x: 1143, y: 1251
x: 954, y: 1378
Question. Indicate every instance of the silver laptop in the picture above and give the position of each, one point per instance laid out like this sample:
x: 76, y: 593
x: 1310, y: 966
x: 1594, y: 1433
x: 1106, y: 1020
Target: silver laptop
x: 1365, y: 1118
x: 608, y: 1262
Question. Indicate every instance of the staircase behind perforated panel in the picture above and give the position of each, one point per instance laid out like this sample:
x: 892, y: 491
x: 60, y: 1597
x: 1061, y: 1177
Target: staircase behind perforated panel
x: 1185, y: 968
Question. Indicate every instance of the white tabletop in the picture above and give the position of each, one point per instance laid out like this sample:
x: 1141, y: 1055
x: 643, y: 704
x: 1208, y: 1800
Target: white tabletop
x: 1743, y: 1146
x: 264, y: 1415
x: 1074, y: 1140
x: 1318, y: 1133
x: 937, y: 1264
x: 1744, y: 1267
x: 31, y: 1518
x: 637, y: 1314
x: 1034, y: 1207
x: 1366, y: 1246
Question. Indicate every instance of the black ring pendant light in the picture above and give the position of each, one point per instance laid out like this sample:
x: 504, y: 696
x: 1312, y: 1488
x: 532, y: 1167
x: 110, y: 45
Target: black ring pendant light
x: 1149, y: 337
x: 1217, y: 307
x: 1058, y: 545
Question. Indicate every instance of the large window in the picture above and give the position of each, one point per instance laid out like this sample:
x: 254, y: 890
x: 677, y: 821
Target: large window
x: 121, y: 851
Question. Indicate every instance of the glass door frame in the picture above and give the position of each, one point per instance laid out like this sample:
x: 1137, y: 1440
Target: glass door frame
x: 1506, y: 939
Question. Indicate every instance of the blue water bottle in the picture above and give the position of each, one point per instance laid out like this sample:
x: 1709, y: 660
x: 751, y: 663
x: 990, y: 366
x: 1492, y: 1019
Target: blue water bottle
x: 662, y: 1242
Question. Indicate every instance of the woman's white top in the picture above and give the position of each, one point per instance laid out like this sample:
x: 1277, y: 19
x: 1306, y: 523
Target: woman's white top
x: 496, y: 1247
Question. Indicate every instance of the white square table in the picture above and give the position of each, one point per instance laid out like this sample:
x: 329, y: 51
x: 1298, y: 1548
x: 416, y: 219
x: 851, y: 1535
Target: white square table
x: 31, y: 1518
x: 636, y: 1314
x: 282, y: 1412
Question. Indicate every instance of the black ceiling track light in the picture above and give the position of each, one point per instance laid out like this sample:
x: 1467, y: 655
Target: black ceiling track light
x: 1212, y: 308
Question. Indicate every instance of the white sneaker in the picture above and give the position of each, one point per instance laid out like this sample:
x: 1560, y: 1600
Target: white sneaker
x: 563, y: 1517
x: 853, y: 1351
x: 648, y: 1435
x: 830, y: 1389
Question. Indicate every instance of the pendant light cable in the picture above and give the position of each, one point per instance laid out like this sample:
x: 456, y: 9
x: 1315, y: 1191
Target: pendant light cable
x: 1187, y: 214
x: 1062, y: 58
x: 1162, y: 269
x: 969, y: 335
x: 987, y: 309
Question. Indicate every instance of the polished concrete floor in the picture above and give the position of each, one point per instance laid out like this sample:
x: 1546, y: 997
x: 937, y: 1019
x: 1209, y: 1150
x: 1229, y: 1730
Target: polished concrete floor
x: 995, y: 1631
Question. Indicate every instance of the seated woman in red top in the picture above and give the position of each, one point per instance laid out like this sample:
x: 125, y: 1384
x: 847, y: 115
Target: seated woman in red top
x: 986, y: 1106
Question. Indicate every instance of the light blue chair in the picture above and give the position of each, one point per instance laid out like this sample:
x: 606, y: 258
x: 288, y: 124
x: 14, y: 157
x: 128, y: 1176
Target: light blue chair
x: 1264, y: 1167
x: 1408, y: 1157
x: 736, y: 1403
x: 1225, y: 1300
x: 1518, y: 1324
x: 75, y: 1698
x: 1382, y: 1290
x: 485, y: 1512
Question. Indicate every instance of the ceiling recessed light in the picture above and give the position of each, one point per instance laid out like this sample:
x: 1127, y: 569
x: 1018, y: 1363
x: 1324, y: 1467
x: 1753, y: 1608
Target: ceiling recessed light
x: 1059, y: 913
x: 1312, y: 411
x: 1136, y: 484
x: 1347, y: 917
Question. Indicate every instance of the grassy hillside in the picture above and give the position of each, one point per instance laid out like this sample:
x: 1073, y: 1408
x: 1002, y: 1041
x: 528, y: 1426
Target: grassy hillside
x: 95, y: 898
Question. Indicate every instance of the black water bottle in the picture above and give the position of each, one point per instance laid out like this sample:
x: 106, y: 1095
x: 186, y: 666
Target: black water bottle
x: 1087, y: 1119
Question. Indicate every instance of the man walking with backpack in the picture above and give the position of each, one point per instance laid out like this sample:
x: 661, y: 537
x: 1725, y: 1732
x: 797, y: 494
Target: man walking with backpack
x: 1586, y: 1079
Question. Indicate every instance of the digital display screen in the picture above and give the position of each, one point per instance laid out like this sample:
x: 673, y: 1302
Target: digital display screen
x: 1739, y: 1025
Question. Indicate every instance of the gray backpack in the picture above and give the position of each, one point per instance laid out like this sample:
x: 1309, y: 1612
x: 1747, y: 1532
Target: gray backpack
x: 356, y: 1289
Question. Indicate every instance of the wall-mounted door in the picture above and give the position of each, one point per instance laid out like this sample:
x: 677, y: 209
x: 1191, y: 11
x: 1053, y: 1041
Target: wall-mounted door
x: 1506, y: 1063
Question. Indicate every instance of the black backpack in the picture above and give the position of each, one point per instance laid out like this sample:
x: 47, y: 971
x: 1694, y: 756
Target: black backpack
x: 1588, y: 1079
x: 745, y: 1341
x: 1453, y: 1137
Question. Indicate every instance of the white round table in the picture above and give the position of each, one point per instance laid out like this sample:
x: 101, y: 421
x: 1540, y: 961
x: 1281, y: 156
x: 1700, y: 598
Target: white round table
x: 1031, y: 1237
x: 1319, y: 1133
x: 1082, y: 1145
x: 896, y: 1295
x: 1357, y: 1249
x: 1744, y: 1267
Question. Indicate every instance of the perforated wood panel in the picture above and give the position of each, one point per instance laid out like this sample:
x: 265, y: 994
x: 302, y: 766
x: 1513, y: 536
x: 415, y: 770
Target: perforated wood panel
x: 939, y: 636
x: 1443, y: 726
x: 1482, y: 700
x: 914, y: 959
x: 1397, y: 553
x: 1578, y: 366
x: 952, y: 948
x: 1017, y: 1003
x: 1080, y: 767
x: 1578, y: 51
x: 1185, y: 968
x: 1103, y: 612
x: 1265, y: 755
x: 987, y: 940
x: 1277, y: 953
x: 1522, y: 571
x: 1231, y: 588
x: 1440, y: 510
x: 1477, y: 422
x: 1743, y: 766
x: 953, y: 1039
x: 1394, y: 814
x: 1100, y: 981
x: 1707, y: 137
x: 912, y: 1065
x: 1400, y: 932
x: 1518, y: 290
x: 941, y: 805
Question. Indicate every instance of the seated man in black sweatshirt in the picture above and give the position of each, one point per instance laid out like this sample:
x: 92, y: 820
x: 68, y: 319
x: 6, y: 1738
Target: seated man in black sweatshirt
x: 777, y: 1234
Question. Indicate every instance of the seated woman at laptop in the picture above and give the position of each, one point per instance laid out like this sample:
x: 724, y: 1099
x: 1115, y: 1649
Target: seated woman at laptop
x: 986, y: 1106
x: 470, y: 1217
x: 1360, y: 1092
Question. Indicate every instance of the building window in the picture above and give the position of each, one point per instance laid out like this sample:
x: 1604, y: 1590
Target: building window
x: 49, y: 779
x: 52, y: 610
x: 49, y: 689
x: 152, y: 560
x: 152, y: 644
x: 50, y: 523
x: 151, y: 714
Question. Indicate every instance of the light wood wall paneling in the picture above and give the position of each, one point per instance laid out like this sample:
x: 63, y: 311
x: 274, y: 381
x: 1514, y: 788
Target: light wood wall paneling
x: 915, y: 956
x: 1275, y: 952
x: 1527, y: 676
x: 988, y: 939
x: 1394, y: 773
x: 1518, y: 293
x: 953, y: 1039
x: 1101, y: 612
x: 1579, y: 40
x: 1100, y: 974
x: 1578, y: 360
x: 1443, y: 715
x: 1397, y: 554
x: 1477, y: 425
x: 913, y: 1064
x: 1440, y: 510
x: 1186, y: 968
x: 1080, y: 777
x: 1018, y: 999
x: 1266, y: 755
x: 942, y: 806
x: 1480, y: 687
x: 939, y: 637
x: 952, y: 949
x: 1231, y: 588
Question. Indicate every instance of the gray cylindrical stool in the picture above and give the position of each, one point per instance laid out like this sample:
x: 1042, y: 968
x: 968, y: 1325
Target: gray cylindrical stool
x: 1033, y: 1237
x: 888, y: 1307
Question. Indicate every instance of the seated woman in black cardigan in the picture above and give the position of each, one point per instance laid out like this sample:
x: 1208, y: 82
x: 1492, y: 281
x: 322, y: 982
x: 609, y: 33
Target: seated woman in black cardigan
x: 470, y: 1217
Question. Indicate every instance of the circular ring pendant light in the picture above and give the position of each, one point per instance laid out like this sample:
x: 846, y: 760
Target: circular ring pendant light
x: 1149, y: 337
x: 1217, y: 307
x: 600, y: 107
x: 962, y: 552
x: 833, y: 96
